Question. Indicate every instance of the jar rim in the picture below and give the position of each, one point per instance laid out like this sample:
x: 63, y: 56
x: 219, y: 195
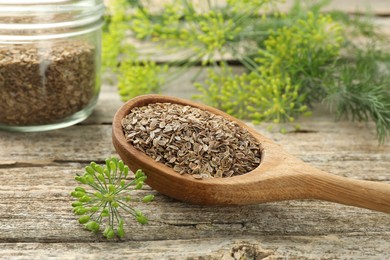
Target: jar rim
x: 34, y: 2
x: 43, y: 7
x: 20, y: 39
x: 48, y: 17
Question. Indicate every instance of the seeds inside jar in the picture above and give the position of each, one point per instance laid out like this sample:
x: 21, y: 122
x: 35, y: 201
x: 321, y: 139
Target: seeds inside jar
x: 191, y: 140
x: 42, y: 84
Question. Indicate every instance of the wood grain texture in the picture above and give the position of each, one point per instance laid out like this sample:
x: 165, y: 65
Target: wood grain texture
x: 40, y: 212
x: 378, y: 7
x: 249, y: 247
x: 37, y: 170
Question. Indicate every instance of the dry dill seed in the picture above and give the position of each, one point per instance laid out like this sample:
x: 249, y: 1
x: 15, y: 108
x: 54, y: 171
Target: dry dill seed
x: 42, y: 84
x: 191, y: 140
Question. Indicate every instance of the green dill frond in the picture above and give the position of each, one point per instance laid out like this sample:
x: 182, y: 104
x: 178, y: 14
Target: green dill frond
x: 361, y: 91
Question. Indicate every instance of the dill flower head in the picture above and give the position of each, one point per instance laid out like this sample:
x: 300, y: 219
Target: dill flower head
x: 107, y: 196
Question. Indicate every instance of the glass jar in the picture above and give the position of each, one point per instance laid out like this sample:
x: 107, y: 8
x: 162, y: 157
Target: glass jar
x: 49, y: 62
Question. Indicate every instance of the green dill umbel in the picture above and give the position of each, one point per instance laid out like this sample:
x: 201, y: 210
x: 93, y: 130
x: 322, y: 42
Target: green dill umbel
x: 107, y: 196
x: 293, y: 61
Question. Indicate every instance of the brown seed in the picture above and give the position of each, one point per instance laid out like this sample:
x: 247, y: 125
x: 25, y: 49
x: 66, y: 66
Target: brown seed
x: 42, y: 85
x: 192, y: 141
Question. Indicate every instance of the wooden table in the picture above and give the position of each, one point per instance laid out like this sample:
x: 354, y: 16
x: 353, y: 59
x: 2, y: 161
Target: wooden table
x: 37, y: 174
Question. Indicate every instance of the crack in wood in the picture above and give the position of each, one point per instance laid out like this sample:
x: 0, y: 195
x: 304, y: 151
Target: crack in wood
x: 302, y: 131
x: 247, y: 250
x: 41, y: 163
x: 16, y: 164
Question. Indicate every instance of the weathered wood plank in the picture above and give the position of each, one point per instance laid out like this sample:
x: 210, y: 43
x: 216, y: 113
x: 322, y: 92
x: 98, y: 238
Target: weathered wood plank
x: 378, y: 7
x: 36, y: 203
x: 339, y: 147
x: 76, y: 143
x: 259, y: 247
x: 332, y: 151
x: 36, y: 176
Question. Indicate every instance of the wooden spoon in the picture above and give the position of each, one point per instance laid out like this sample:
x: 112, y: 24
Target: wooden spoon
x: 280, y: 176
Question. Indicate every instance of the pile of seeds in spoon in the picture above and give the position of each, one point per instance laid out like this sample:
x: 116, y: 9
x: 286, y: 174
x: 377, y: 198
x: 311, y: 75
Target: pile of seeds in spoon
x: 191, y: 140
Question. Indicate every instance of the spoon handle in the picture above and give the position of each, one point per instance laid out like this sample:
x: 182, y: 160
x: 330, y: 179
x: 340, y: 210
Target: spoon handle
x: 359, y: 193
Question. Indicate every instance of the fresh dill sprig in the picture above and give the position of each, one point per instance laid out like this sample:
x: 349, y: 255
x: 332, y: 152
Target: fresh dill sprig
x: 107, y: 196
x: 361, y: 89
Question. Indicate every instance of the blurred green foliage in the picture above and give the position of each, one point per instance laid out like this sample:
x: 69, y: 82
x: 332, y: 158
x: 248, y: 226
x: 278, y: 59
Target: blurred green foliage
x: 293, y: 60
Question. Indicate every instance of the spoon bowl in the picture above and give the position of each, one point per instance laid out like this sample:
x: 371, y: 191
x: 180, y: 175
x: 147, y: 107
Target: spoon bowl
x: 280, y: 176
